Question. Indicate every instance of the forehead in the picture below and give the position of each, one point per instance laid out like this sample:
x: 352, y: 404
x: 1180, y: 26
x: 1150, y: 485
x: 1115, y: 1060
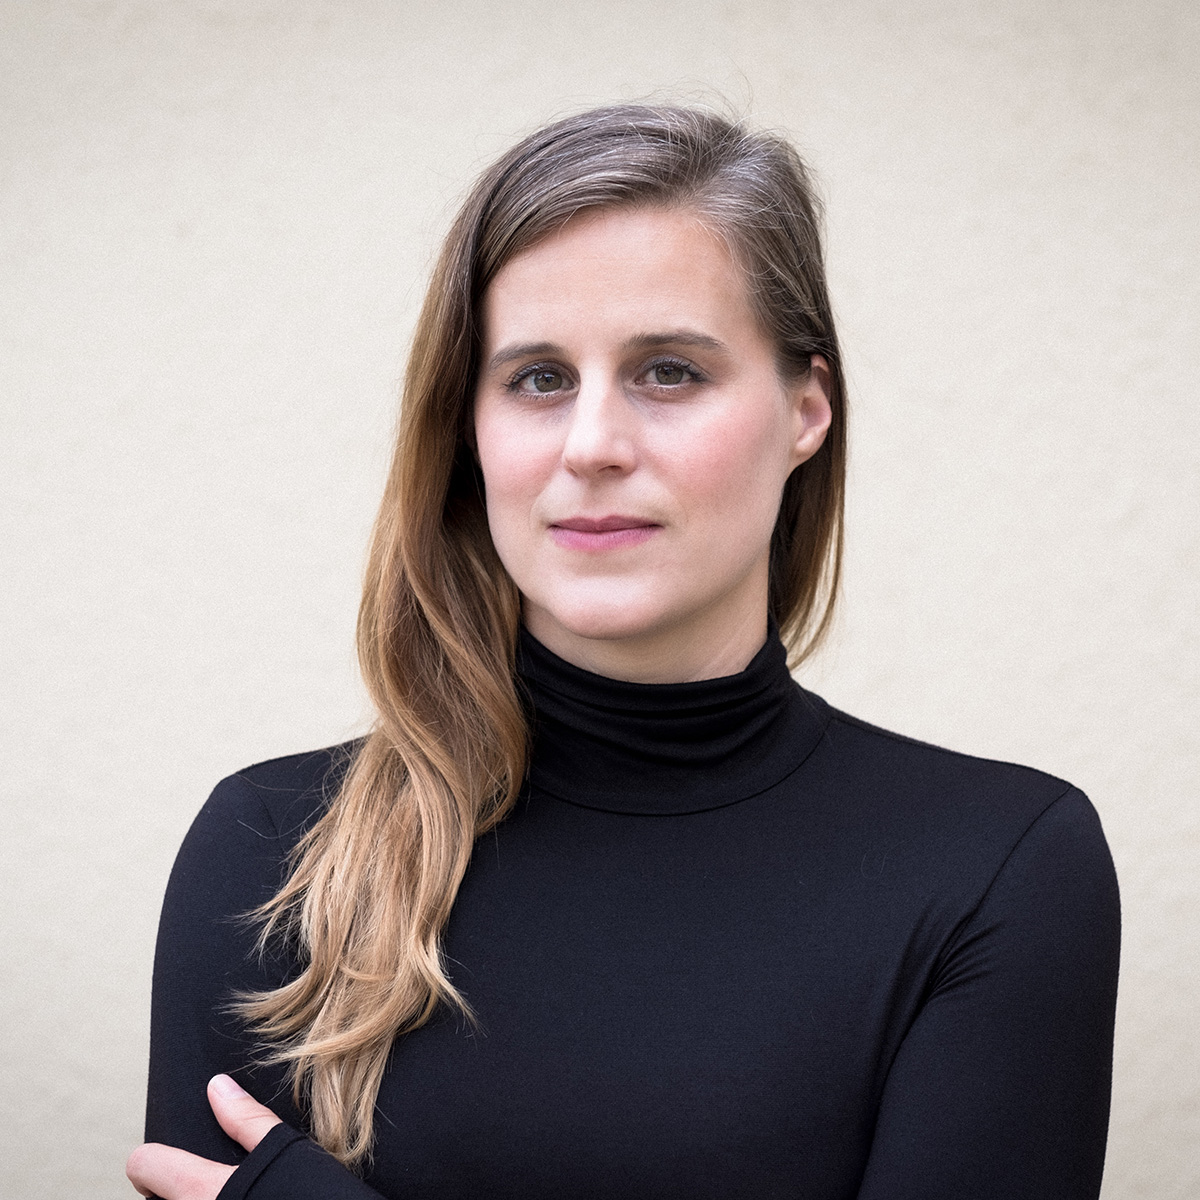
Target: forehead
x: 656, y: 266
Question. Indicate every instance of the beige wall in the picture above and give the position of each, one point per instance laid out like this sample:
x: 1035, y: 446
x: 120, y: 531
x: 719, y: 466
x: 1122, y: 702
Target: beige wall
x: 214, y: 221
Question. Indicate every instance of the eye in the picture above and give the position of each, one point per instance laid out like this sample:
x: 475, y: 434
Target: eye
x: 539, y: 380
x: 671, y: 373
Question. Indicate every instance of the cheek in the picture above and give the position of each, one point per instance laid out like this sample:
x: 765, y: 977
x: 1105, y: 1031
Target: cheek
x: 513, y: 470
x: 734, y: 470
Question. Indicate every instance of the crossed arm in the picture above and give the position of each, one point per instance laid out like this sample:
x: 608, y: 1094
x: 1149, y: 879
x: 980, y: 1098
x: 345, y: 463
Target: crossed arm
x: 174, y: 1174
x: 1000, y: 1087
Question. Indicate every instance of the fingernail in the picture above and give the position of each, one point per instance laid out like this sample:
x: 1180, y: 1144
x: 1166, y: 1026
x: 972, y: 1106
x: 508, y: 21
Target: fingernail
x: 226, y: 1086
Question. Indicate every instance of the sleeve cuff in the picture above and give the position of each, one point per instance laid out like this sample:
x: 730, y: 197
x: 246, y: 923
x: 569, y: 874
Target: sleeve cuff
x: 285, y: 1165
x: 238, y: 1185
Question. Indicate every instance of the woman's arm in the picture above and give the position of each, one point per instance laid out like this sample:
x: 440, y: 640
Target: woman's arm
x: 1001, y: 1087
x: 233, y: 858
x: 167, y: 1171
x: 306, y: 1171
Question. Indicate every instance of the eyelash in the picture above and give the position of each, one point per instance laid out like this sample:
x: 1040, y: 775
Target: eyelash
x: 697, y: 376
x: 669, y: 360
x: 524, y: 373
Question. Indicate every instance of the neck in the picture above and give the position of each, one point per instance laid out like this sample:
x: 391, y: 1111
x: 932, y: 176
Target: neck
x: 684, y: 747
x: 710, y: 647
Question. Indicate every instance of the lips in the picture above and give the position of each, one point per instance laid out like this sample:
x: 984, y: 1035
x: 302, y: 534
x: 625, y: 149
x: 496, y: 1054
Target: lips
x: 603, y: 524
x: 602, y: 533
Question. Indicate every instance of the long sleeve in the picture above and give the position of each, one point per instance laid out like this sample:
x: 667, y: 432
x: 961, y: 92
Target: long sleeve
x: 1001, y: 1086
x: 231, y: 860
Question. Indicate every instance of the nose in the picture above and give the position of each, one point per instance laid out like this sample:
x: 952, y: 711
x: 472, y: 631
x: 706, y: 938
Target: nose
x: 602, y: 434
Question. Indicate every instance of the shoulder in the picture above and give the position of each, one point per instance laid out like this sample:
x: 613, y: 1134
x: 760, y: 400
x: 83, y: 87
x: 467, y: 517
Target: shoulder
x: 281, y: 797
x: 917, y: 777
x: 954, y: 818
x: 240, y: 840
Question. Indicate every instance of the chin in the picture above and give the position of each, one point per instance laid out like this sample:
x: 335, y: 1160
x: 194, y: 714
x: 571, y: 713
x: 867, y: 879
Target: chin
x: 613, y: 618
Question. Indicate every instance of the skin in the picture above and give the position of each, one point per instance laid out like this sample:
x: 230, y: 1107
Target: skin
x: 635, y: 434
x: 173, y: 1174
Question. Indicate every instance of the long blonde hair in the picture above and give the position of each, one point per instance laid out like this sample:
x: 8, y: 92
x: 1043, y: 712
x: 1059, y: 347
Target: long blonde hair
x: 372, y: 882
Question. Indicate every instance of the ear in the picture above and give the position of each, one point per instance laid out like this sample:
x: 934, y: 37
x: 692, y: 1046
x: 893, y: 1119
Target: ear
x: 811, y: 409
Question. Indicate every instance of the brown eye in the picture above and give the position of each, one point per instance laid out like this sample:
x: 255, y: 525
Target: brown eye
x: 546, y: 381
x: 669, y: 374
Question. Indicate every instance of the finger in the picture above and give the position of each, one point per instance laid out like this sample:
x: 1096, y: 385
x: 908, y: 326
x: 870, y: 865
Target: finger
x: 239, y: 1114
x: 175, y: 1174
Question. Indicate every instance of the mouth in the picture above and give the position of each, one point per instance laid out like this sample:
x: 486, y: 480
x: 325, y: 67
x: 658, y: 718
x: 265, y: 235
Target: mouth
x: 602, y: 533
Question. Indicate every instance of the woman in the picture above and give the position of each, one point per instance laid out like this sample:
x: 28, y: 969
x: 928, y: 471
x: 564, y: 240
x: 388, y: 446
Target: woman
x: 606, y: 905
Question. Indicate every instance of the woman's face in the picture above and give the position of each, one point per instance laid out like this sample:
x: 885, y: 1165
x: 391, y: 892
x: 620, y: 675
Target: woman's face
x: 635, y: 436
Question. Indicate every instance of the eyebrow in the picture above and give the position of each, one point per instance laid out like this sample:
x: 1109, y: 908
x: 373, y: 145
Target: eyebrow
x: 507, y: 354
x: 642, y: 341
x: 674, y: 337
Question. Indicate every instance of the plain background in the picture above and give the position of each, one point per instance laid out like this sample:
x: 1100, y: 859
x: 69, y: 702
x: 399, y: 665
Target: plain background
x: 215, y: 223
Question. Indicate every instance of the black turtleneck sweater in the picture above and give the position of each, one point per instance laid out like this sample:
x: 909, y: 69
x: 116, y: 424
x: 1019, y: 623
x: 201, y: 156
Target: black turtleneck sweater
x: 730, y: 943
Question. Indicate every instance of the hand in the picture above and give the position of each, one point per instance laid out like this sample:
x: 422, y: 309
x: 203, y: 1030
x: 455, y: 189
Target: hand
x: 177, y: 1175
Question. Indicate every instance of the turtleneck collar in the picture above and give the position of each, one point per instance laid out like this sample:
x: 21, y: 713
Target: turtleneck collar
x: 665, y: 748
